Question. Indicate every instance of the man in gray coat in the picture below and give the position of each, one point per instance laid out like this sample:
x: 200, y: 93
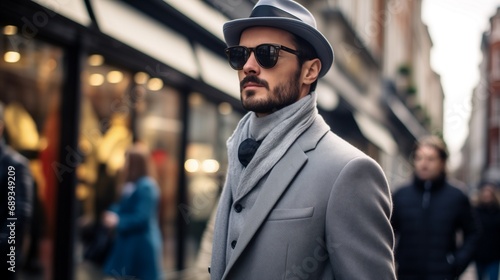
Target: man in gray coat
x: 298, y: 201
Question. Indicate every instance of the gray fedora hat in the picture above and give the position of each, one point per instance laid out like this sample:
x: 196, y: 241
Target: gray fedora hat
x: 287, y: 15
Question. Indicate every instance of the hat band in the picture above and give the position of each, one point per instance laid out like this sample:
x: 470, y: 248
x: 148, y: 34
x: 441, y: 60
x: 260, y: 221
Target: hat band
x: 270, y: 11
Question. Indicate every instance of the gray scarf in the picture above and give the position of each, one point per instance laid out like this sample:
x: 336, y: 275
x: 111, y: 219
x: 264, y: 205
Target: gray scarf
x: 278, y: 132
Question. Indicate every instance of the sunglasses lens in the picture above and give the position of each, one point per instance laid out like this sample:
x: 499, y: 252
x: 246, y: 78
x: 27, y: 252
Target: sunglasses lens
x: 237, y: 57
x: 267, y: 55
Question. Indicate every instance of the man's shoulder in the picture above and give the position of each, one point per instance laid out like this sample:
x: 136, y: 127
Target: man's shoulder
x: 456, y: 188
x: 324, y: 147
x: 332, y: 154
x: 340, y: 147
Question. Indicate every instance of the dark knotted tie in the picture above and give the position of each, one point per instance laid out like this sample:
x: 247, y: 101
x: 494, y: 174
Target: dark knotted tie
x: 247, y: 150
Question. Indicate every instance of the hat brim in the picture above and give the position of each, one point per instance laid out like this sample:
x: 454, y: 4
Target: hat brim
x: 233, y: 29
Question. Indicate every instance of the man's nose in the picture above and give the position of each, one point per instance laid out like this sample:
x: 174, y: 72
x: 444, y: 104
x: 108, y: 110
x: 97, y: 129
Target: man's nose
x: 251, y: 66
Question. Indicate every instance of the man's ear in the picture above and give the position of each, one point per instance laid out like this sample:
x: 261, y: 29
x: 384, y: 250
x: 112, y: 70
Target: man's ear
x: 310, y: 71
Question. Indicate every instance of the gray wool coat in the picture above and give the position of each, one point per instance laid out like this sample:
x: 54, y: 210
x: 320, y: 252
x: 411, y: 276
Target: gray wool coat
x: 323, y: 213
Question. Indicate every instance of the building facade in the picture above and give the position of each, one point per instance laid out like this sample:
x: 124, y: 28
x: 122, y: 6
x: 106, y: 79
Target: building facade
x: 481, y: 150
x: 473, y: 152
x: 493, y: 115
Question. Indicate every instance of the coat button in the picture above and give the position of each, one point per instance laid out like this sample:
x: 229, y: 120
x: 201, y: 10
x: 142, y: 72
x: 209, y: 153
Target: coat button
x: 238, y: 208
x: 233, y: 244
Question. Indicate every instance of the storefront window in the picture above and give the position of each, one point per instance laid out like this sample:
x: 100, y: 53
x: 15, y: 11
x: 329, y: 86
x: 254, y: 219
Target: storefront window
x: 119, y: 108
x: 31, y: 77
x: 105, y: 134
x: 210, y: 125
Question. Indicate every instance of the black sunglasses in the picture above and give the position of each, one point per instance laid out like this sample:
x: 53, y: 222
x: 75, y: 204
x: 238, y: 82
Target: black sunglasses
x: 266, y: 55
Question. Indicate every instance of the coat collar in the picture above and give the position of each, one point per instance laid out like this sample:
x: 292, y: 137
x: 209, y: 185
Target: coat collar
x: 435, y: 184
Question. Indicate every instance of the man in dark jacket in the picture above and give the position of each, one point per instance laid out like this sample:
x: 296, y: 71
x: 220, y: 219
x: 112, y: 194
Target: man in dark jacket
x: 16, y: 196
x: 428, y: 214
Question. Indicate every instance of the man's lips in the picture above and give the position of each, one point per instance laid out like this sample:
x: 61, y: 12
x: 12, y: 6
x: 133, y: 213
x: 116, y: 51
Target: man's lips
x: 250, y: 84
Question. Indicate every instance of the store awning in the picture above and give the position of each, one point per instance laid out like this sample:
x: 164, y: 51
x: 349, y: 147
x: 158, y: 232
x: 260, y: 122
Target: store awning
x: 204, y: 15
x: 376, y: 133
x: 72, y: 9
x: 153, y: 38
x: 146, y: 35
x: 216, y: 72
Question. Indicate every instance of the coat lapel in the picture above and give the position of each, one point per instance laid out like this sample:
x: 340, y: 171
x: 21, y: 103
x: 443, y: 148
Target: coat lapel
x: 271, y: 191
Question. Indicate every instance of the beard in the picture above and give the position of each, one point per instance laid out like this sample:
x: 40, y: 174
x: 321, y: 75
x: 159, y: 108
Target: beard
x: 282, y: 95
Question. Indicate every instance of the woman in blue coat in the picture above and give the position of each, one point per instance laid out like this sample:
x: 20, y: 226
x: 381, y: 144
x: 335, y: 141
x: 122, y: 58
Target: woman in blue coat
x: 137, y: 246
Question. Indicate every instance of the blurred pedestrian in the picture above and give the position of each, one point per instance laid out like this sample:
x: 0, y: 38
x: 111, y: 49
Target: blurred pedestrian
x: 137, y: 246
x: 487, y: 255
x: 16, y: 206
x: 427, y: 215
x: 307, y: 204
